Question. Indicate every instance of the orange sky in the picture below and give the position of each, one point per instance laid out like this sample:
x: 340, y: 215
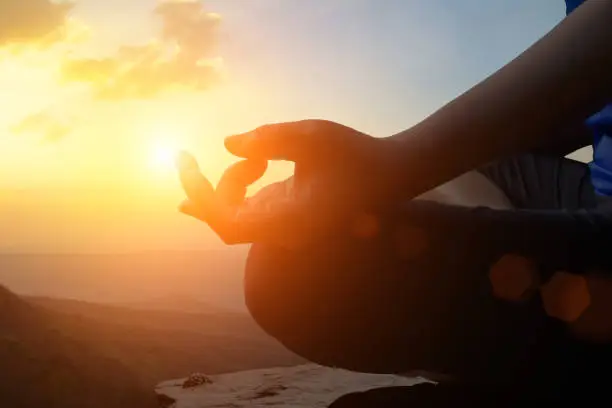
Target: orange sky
x: 87, y: 137
x: 95, y: 97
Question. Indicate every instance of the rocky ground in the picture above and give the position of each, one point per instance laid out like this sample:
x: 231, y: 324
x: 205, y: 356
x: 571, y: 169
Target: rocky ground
x: 304, y: 386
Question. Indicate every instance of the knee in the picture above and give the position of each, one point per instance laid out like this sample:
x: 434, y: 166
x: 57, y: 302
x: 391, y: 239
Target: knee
x: 330, y: 305
x: 270, y: 290
x: 289, y: 297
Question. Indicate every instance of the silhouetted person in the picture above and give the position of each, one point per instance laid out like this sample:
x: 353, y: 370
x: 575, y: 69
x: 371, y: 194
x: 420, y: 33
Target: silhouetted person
x: 348, y: 270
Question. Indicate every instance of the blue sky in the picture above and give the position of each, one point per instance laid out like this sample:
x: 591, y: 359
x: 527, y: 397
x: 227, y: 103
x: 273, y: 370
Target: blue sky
x: 380, y: 65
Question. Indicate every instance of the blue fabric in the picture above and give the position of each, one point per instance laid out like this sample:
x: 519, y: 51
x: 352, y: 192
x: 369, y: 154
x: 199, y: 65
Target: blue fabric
x: 601, y: 125
x: 571, y: 5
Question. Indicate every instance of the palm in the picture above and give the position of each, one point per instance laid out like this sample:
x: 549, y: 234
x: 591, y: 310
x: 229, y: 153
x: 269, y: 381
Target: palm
x: 335, y: 173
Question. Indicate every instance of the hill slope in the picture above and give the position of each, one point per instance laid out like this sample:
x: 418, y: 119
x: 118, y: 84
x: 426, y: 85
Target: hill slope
x: 147, y: 278
x: 160, y: 344
x: 44, y: 366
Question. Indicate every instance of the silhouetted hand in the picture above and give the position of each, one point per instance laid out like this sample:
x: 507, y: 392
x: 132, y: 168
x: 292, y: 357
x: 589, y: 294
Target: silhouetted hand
x: 339, y: 173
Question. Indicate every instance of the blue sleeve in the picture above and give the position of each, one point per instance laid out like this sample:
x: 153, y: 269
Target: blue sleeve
x: 571, y: 5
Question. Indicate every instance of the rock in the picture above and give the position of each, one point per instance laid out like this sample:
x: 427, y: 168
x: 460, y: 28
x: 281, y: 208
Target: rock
x: 196, y: 380
x: 304, y: 386
x: 165, y: 401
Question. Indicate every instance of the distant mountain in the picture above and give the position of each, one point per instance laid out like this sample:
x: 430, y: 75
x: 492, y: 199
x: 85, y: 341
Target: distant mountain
x: 177, y: 302
x: 174, y: 303
x: 66, y: 353
x: 158, y: 344
x: 149, y: 279
x: 45, y: 365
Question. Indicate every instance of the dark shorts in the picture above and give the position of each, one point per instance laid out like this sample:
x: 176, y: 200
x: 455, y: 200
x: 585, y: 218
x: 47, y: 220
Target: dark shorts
x: 360, y: 307
x: 544, y: 182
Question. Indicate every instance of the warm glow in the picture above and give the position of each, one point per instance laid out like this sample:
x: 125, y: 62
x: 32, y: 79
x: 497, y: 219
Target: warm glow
x: 95, y: 108
x: 163, y: 153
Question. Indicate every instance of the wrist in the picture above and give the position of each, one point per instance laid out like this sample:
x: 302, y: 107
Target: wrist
x: 411, y: 157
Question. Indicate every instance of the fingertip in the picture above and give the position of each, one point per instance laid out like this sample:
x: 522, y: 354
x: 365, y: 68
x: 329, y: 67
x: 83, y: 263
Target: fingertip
x: 185, y: 161
x: 258, y: 167
x: 232, y: 141
x: 194, y: 212
x: 188, y: 207
x: 234, y: 145
x: 185, y: 207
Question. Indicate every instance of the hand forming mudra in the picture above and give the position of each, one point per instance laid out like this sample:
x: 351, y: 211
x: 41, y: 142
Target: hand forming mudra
x: 339, y: 172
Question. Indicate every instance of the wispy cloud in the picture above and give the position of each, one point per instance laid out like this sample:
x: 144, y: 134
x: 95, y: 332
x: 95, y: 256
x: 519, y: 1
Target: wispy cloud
x: 184, y: 56
x: 32, y: 22
x: 44, y: 124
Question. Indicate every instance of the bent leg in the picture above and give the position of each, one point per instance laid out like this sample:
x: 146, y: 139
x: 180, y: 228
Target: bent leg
x: 543, y: 182
x: 428, y: 395
x: 359, y: 306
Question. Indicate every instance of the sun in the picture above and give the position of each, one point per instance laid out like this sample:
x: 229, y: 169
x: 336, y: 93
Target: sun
x: 163, y: 154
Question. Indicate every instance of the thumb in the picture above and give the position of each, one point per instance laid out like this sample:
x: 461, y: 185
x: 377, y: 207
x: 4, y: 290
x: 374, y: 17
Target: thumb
x: 190, y: 208
x: 291, y: 141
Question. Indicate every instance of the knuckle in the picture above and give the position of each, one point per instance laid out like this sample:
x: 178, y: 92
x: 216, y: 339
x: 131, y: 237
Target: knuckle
x: 311, y: 127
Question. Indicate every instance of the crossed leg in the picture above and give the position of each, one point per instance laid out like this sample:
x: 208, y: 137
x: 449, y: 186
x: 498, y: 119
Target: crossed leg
x: 360, y: 306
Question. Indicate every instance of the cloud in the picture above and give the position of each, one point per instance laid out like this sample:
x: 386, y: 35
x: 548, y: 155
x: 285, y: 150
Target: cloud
x: 184, y: 56
x: 35, y: 22
x: 48, y: 126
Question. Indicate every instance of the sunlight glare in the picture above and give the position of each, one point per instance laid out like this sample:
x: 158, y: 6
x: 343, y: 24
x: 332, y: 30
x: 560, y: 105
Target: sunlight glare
x: 163, y: 154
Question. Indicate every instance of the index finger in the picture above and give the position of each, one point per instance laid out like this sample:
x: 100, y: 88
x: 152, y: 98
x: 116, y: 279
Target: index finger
x: 196, y: 186
x: 280, y: 141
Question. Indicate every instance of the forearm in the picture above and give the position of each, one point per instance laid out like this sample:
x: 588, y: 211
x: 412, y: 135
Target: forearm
x: 566, y: 141
x: 561, y: 79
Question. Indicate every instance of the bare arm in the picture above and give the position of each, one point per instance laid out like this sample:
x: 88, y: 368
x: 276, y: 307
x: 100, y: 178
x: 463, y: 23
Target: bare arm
x: 566, y: 141
x: 562, y: 79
